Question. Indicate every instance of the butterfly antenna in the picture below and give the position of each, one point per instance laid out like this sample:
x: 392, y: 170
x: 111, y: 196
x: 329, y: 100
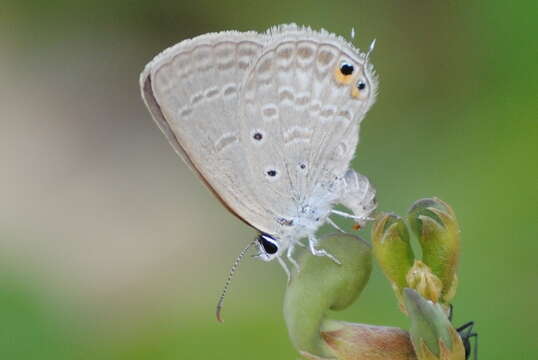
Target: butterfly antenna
x: 352, y: 33
x: 235, y: 265
x: 370, y: 49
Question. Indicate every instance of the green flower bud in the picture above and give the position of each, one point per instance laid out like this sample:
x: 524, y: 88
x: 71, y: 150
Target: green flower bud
x: 390, y: 240
x: 421, y: 279
x: 323, y: 285
x: 438, y: 232
x: 432, y: 334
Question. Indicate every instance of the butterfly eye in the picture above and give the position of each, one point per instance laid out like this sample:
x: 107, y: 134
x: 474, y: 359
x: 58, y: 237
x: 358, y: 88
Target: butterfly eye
x: 361, y: 85
x: 268, y: 244
x: 346, y: 69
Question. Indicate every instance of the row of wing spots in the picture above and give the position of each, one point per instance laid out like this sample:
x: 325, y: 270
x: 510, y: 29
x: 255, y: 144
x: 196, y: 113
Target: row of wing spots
x: 293, y: 88
x: 222, y: 57
x: 206, y: 95
x: 308, y: 55
x: 203, y: 98
x: 201, y: 108
x: 297, y: 134
x: 226, y: 141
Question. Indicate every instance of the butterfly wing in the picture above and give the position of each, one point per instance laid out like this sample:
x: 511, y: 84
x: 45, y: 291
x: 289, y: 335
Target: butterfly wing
x: 301, y: 117
x: 192, y: 91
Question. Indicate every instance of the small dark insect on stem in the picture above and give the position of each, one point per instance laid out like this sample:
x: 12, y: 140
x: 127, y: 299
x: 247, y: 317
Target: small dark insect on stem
x: 466, y: 333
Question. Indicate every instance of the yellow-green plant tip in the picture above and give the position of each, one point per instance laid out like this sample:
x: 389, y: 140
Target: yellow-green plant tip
x: 424, y: 353
x: 430, y: 327
x: 441, y: 248
x: 423, y: 207
x: 438, y: 232
x: 321, y: 285
x: 427, y: 203
x: 421, y: 279
x: 456, y: 353
x: 390, y: 241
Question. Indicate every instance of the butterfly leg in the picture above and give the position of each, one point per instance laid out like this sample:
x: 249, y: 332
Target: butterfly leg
x: 298, y: 242
x: 313, y: 242
x: 285, y: 267
x: 289, y: 254
x: 333, y: 224
x: 349, y: 216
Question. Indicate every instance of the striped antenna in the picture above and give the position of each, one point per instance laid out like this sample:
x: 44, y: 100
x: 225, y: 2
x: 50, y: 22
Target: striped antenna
x: 235, y: 265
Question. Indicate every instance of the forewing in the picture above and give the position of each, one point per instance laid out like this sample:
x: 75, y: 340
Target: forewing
x: 192, y: 91
x: 309, y: 121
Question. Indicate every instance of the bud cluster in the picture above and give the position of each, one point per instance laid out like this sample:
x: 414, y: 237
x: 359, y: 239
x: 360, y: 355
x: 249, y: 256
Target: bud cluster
x: 424, y: 287
x: 434, y: 276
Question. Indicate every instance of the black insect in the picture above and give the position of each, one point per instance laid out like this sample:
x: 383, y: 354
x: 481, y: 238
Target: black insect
x: 466, y: 333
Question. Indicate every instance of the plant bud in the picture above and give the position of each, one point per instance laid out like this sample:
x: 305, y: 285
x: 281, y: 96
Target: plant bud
x: 432, y: 334
x: 391, y: 247
x: 435, y: 224
x: 421, y: 279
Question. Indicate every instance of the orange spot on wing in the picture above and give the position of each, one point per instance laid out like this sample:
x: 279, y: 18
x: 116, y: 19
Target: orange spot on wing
x: 341, y: 78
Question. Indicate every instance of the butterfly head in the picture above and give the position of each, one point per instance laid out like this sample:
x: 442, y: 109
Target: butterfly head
x: 268, y: 247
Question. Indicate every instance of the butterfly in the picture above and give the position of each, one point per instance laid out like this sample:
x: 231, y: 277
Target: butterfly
x: 270, y: 123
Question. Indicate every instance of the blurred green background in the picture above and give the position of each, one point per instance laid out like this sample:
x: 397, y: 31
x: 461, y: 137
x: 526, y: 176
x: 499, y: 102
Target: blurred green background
x: 111, y: 249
